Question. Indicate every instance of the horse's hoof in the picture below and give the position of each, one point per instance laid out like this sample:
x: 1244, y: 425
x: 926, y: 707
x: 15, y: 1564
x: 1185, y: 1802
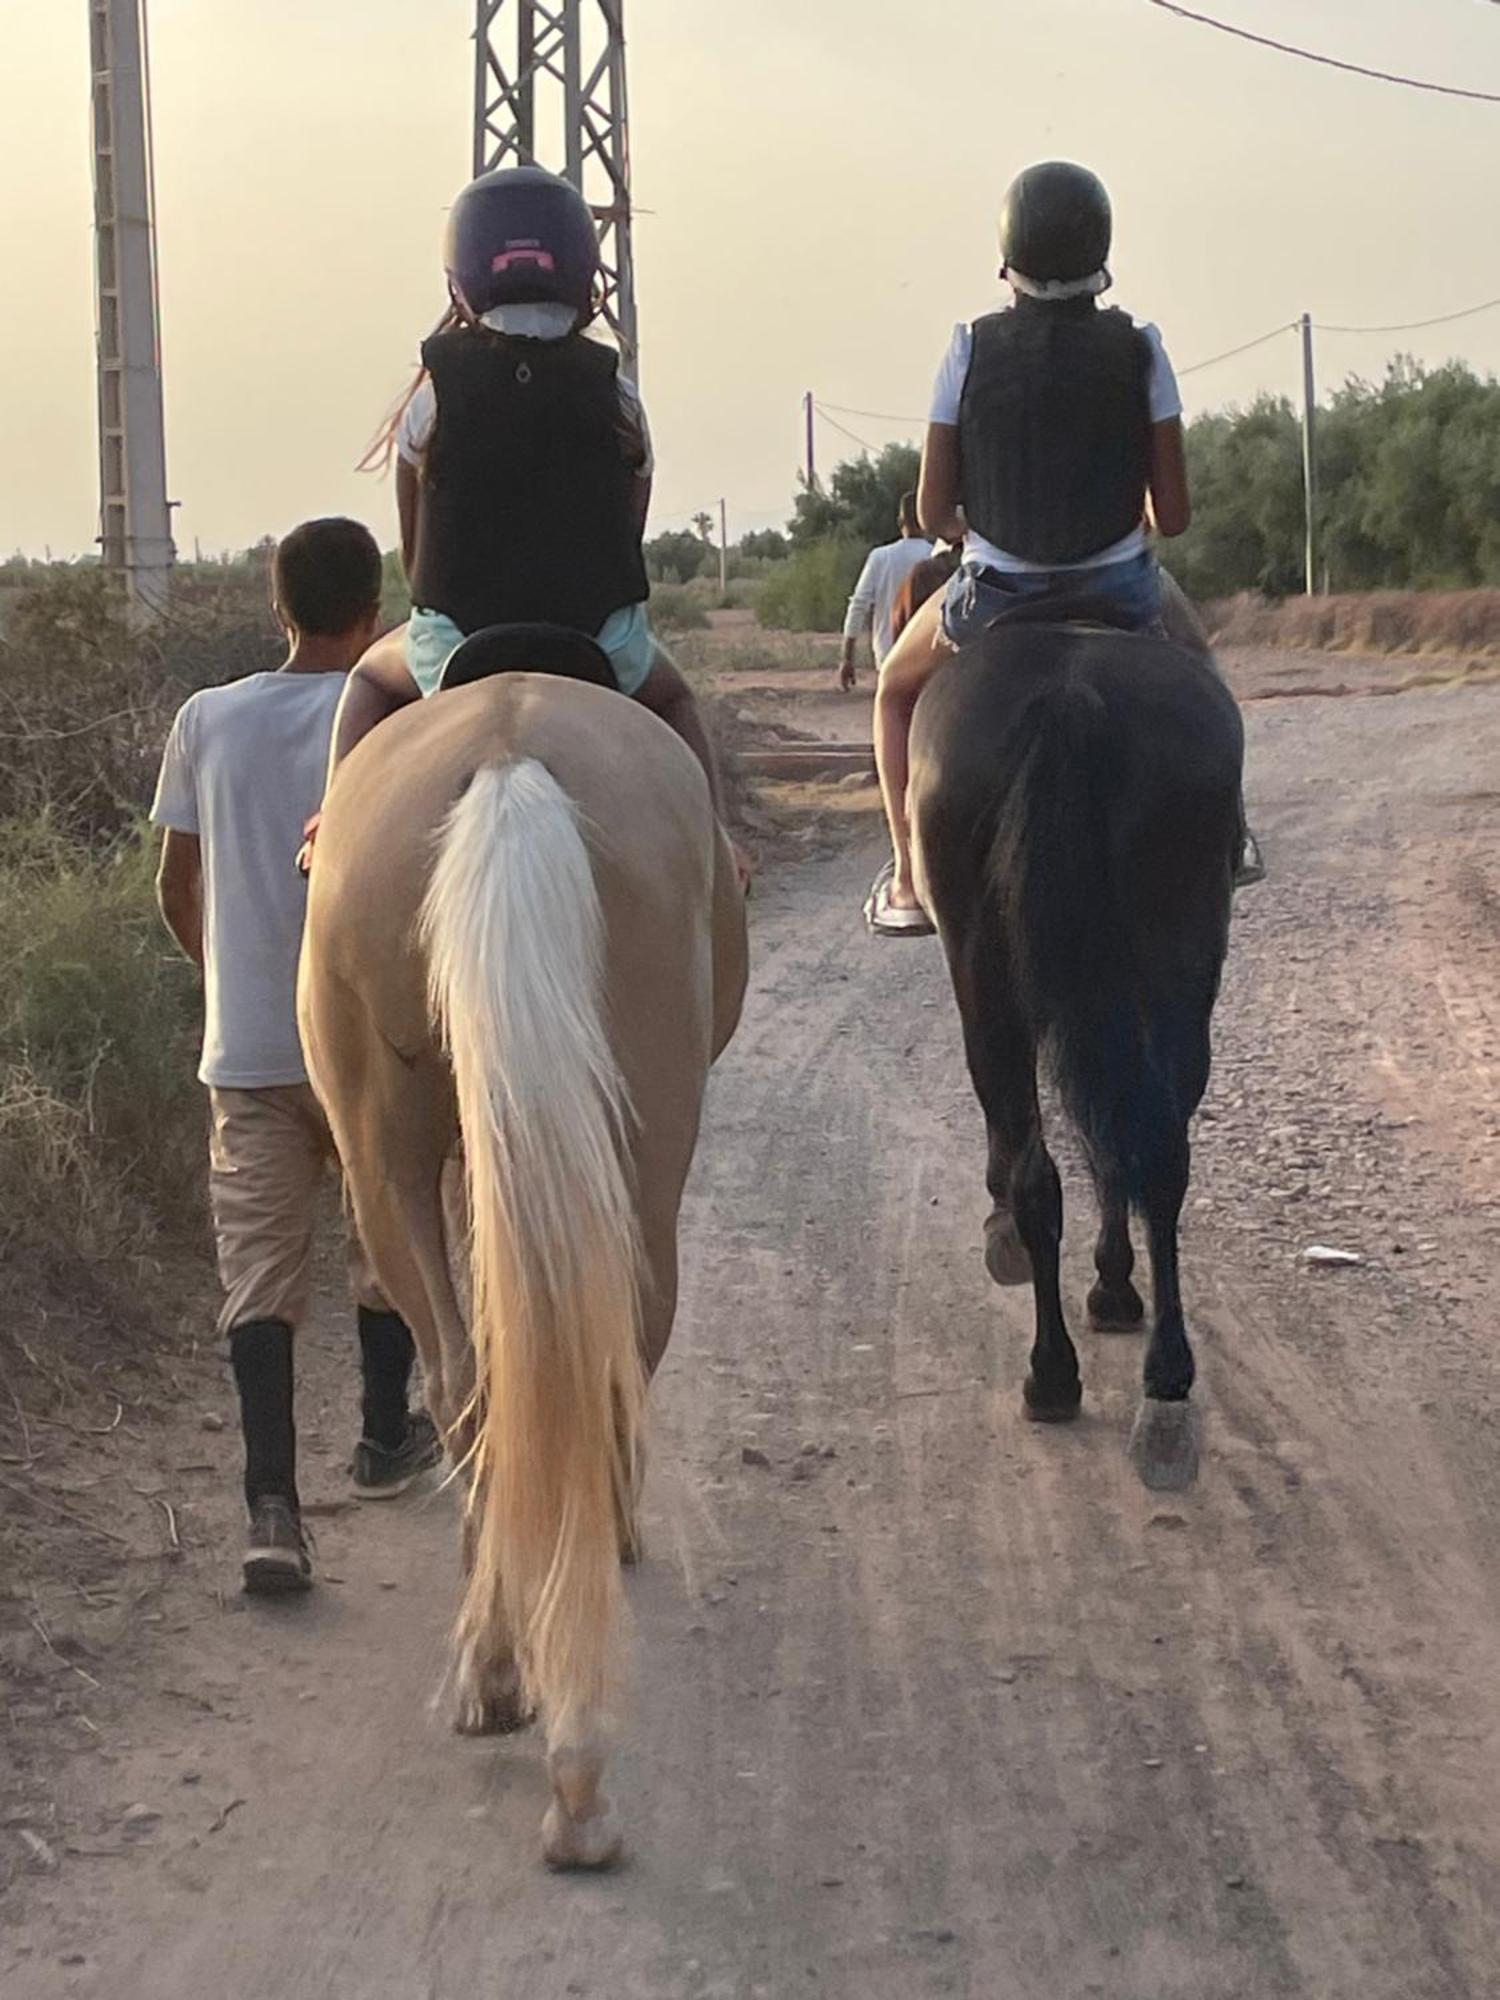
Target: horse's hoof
x: 1006, y: 1257
x: 1115, y: 1309
x: 491, y: 1705
x: 632, y: 1545
x: 1164, y: 1445
x: 595, y: 1842
x: 1052, y: 1407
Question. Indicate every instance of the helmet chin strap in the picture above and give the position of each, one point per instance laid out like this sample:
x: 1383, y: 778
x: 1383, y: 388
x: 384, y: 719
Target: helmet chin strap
x: 1057, y: 288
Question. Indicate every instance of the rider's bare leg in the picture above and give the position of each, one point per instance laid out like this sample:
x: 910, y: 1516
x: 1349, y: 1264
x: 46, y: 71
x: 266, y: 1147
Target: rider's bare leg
x: 908, y: 667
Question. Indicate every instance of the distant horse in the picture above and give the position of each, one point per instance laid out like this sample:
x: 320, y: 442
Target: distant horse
x: 1075, y: 807
x: 525, y: 945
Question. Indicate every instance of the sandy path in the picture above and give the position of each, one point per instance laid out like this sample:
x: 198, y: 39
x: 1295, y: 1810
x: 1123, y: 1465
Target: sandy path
x: 934, y: 1702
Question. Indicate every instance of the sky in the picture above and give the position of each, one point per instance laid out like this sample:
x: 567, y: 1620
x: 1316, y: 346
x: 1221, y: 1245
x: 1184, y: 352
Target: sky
x: 816, y: 184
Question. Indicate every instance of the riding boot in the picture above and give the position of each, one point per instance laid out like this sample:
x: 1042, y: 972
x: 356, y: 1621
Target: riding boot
x: 260, y: 1351
x: 386, y: 1356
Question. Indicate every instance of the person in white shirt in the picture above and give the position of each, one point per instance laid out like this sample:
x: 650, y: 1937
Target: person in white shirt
x: 873, y: 601
x: 243, y: 768
x: 1055, y: 435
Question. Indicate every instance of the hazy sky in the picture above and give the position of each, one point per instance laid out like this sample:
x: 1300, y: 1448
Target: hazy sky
x: 822, y: 178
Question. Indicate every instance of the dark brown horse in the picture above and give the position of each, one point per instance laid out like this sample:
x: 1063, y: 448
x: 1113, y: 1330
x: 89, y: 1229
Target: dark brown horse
x: 1075, y: 811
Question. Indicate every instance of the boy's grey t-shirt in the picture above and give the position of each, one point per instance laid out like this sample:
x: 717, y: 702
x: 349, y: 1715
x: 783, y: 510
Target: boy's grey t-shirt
x: 243, y: 769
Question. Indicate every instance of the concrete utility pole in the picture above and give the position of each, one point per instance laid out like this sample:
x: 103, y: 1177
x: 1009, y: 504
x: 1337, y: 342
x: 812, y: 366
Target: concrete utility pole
x: 135, y: 521
x: 723, y: 549
x: 549, y: 91
x: 1309, y: 454
x: 810, y: 469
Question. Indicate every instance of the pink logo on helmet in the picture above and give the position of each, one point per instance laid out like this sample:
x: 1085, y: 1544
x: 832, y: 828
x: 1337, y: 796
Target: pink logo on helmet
x: 523, y: 250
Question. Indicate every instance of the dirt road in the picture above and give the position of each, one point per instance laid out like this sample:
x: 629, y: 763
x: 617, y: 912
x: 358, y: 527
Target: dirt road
x: 928, y: 1701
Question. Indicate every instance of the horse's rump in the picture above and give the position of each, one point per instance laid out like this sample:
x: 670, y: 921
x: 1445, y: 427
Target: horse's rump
x: 523, y: 941
x: 1082, y: 788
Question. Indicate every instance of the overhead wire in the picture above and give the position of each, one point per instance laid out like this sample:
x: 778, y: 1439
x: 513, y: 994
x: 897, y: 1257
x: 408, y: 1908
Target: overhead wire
x: 1244, y: 348
x: 843, y: 429
x: 1329, y: 62
x: 1412, y: 325
x: 876, y: 416
x: 1209, y: 361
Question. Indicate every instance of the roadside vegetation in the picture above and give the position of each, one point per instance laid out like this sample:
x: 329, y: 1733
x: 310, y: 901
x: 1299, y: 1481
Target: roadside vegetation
x: 100, y: 1116
x: 1408, y: 507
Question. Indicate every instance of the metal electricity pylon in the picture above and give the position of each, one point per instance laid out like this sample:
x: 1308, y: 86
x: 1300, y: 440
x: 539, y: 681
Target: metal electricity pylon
x: 135, y: 522
x: 549, y: 90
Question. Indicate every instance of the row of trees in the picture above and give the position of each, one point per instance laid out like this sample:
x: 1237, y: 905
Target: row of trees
x: 1409, y: 497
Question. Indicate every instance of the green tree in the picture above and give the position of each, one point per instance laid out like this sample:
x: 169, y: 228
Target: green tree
x: 861, y: 500
x: 674, y: 557
x: 763, y: 545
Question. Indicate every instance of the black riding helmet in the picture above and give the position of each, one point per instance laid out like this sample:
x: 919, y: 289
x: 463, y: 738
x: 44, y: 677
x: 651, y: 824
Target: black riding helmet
x: 1055, y: 225
x: 521, y: 236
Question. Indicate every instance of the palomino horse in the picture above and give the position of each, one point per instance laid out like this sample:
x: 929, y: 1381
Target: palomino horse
x: 525, y: 946
x: 1075, y: 809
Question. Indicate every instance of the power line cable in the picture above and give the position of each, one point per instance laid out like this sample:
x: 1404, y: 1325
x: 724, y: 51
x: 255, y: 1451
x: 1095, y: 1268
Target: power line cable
x: 876, y: 416
x: 1329, y: 62
x: 1413, y: 325
x: 1230, y: 352
x: 843, y: 429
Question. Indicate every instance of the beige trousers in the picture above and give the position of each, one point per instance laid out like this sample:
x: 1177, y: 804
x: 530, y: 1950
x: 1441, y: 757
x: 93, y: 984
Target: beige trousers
x: 268, y: 1152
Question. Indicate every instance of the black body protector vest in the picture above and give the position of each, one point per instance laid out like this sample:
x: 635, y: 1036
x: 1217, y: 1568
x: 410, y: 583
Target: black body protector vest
x: 1054, y: 429
x: 529, y: 510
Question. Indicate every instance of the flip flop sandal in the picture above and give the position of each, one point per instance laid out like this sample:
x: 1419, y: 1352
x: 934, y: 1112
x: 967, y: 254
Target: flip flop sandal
x: 887, y: 922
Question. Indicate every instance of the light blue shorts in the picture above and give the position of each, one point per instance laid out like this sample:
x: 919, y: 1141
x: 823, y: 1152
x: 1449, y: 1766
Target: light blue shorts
x: 432, y: 638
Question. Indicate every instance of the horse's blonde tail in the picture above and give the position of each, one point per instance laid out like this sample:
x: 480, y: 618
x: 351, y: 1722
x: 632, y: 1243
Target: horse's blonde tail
x: 514, y: 935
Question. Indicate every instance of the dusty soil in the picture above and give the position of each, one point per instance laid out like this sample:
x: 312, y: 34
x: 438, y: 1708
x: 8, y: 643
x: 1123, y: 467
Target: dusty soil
x: 927, y: 1701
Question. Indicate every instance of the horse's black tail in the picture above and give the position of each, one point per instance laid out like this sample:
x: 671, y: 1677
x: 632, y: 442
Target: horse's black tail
x: 1122, y: 1035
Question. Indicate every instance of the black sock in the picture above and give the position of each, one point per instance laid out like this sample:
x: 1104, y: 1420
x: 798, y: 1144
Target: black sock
x: 386, y: 1355
x: 260, y: 1351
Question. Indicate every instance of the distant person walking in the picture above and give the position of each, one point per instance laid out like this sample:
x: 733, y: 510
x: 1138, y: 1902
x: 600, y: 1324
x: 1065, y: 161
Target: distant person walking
x: 873, y: 603
x: 243, y: 768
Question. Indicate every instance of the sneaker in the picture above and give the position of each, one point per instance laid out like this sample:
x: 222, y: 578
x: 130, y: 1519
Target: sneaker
x: 382, y: 1471
x: 276, y: 1558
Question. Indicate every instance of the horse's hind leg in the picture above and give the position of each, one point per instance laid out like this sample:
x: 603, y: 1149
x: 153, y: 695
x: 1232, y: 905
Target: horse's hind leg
x: 1164, y: 1442
x: 1114, y: 1304
x: 1022, y: 1177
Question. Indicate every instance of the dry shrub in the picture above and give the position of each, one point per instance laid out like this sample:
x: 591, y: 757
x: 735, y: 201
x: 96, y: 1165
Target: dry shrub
x: 100, y: 1112
x: 1377, y: 621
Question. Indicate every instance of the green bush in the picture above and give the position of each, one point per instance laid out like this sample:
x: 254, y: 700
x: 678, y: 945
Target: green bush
x: 677, y: 607
x: 810, y: 591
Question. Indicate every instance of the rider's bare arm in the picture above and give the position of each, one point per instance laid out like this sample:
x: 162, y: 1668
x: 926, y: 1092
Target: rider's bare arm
x: 378, y: 686
x: 938, y: 507
x: 1171, y: 509
x: 179, y: 891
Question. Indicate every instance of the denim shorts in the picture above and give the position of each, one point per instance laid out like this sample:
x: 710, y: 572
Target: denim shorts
x: 975, y: 596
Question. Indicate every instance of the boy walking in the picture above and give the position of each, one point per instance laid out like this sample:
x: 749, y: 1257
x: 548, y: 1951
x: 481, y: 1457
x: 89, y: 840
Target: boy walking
x: 242, y: 770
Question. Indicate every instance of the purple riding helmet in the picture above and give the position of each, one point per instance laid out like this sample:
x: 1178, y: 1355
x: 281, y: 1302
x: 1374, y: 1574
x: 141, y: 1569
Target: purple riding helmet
x: 521, y: 236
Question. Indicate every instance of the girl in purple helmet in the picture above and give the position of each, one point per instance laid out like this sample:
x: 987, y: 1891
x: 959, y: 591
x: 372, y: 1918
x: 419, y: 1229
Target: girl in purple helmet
x: 523, y: 464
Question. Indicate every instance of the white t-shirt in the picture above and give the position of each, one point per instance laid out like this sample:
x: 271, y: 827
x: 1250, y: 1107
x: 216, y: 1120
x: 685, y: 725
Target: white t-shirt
x: 545, y: 320
x: 874, y: 599
x: 243, y: 769
x: 947, y: 394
